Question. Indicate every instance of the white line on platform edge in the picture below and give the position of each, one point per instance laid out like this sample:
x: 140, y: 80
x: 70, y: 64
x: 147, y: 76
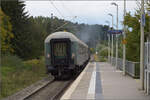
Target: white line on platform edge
x: 91, y: 89
x: 71, y: 89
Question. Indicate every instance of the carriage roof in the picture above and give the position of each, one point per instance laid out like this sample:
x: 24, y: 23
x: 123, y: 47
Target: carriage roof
x: 69, y: 35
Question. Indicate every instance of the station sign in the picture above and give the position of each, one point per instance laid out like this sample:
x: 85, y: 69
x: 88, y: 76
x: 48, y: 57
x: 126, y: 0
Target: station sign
x: 115, y: 31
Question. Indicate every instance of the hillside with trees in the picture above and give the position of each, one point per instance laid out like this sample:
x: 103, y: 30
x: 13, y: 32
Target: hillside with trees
x: 29, y: 32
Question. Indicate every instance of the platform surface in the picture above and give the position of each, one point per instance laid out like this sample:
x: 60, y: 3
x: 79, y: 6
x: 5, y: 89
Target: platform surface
x: 102, y: 81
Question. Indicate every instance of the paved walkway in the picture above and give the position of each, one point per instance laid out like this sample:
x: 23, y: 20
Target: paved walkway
x: 101, y: 81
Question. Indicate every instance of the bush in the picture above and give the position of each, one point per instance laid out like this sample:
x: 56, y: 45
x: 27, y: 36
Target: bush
x: 102, y: 59
x: 18, y: 74
x: 11, y: 61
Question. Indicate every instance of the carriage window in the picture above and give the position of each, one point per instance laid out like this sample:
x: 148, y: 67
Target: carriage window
x: 60, y: 49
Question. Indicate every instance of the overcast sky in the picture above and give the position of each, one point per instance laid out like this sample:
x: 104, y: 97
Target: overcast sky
x: 89, y: 12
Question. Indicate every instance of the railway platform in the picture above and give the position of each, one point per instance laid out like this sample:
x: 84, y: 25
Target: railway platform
x: 103, y: 82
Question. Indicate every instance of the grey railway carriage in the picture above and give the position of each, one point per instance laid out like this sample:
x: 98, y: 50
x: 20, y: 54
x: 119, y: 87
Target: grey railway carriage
x: 65, y: 54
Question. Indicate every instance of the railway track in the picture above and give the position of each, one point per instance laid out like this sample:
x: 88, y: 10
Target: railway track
x: 45, y: 89
x: 51, y: 91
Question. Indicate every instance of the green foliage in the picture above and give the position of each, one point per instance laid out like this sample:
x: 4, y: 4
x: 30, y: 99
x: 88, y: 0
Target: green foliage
x: 102, y: 59
x: 102, y: 50
x: 133, y: 37
x: 89, y: 34
x: 18, y: 74
x: 11, y: 61
x: 103, y: 53
x: 19, y: 20
x: 92, y: 50
x: 30, y: 32
x: 5, y: 33
x: 37, y: 36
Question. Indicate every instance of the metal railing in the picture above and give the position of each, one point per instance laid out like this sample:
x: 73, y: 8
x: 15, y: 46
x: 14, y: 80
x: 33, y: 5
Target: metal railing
x: 147, y: 56
x: 132, y: 68
x: 147, y: 67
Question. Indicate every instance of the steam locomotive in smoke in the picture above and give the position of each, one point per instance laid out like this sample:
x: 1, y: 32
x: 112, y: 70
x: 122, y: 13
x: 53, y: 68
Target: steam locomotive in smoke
x: 65, y: 54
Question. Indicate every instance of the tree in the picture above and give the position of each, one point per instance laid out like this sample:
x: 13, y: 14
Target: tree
x: 20, y: 24
x: 133, y: 37
x: 37, y: 37
x: 5, y: 33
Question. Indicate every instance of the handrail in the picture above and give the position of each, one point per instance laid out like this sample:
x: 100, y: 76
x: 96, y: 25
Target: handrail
x: 132, y: 68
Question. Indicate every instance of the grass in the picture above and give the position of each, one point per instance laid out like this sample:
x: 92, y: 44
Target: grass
x: 100, y: 58
x: 18, y: 74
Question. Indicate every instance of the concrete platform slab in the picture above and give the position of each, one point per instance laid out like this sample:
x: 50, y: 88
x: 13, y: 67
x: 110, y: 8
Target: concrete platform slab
x: 103, y: 82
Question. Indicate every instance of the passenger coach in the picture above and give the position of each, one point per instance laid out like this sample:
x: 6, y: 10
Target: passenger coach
x: 65, y: 54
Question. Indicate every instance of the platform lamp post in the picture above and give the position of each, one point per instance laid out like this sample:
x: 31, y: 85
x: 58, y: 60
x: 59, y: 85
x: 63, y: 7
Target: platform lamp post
x: 124, y: 44
x: 108, y: 42
x: 116, y: 34
x: 112, y: 51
